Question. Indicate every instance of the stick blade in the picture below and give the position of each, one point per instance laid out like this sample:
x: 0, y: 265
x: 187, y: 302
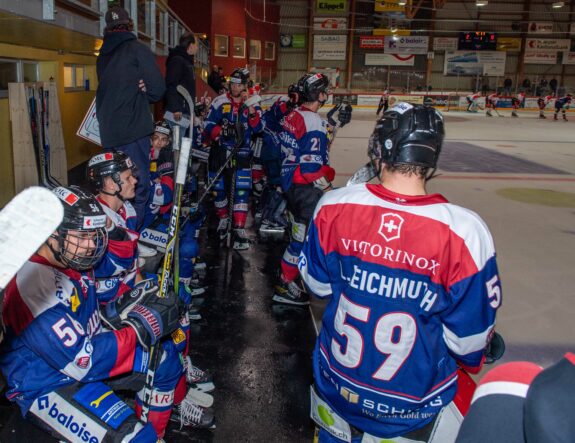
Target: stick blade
x: 362, y: 175
x: 25, y: 223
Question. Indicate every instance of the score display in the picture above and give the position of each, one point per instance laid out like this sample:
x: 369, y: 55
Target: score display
x: 477, y: 41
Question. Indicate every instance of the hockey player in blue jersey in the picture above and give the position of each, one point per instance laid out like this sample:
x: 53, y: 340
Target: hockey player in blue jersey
x: 305, y: 176
x: 562, y: 104
x: 113, y: 179
x: 58, y: 359
x: 413, y: 290
x: 223, y: 132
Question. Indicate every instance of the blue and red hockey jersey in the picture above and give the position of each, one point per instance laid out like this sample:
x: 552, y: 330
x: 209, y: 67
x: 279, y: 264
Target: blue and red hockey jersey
x: 54, y: 335
x: 116, y: 272
x: 413, y: 287
x: 305, y: 148
x: 224, y: 108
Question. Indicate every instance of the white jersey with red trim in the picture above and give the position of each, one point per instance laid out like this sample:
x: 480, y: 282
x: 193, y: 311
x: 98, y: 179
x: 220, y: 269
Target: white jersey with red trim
x: 413, y: 288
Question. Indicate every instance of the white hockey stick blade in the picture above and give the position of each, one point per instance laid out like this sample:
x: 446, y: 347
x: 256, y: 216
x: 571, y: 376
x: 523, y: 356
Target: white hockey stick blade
x: 25, y: 223
x: 253, y: 100
x: 362, y: 175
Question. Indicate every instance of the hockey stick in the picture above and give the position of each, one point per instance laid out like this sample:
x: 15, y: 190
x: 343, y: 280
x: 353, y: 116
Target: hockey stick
x: 190, y: 101
x: 154, y: 355
x: 364, y: 174
x: 46, y: 126
x: 25, y: 224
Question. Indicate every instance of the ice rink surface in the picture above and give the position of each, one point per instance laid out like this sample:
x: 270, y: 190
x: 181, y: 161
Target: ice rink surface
x: 518, y: 174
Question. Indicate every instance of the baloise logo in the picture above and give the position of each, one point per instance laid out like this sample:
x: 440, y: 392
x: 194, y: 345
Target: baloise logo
x: 66, y: 421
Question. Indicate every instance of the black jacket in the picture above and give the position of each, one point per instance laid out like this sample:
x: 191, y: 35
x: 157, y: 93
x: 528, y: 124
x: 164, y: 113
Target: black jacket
x: 179, y: 71
x: 123, y: 110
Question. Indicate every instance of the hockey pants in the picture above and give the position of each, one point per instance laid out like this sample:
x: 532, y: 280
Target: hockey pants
x: 84, y: 411
x: 301, y: 202
x: 243, y: 185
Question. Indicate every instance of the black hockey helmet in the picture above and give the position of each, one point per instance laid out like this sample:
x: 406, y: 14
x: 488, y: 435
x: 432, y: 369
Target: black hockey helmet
x: 311, y: 85
x: 110, y: 164
x: 240, y: 76
x: 294, y: 93
x: 163, y: 127
x: 408, y: 134
x: 82, y: 236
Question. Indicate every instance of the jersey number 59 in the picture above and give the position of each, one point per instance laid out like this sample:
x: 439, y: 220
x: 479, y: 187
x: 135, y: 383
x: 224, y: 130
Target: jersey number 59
x: 394, y: 336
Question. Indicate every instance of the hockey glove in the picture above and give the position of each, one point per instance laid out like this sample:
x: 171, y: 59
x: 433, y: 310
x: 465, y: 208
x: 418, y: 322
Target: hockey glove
x: 114, y: 312
x: 228, y: 129
x: 344, y: 115
x: 331, y: 113
x: 495, y: 349
x: 153, y: 318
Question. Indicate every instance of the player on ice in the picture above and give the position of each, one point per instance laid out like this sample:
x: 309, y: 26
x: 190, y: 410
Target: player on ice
x: 412, y: 288
x: 516, y: 103
x: 542, y: 103
x: 562, y: 104
x: 472, y: 102
x: 491, y: 103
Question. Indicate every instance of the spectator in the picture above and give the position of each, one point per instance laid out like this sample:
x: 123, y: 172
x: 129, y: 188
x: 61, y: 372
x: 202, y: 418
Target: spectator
x: 180, y: 71
x: 507, y: 86
x: 128, y: 81
x: 214, y: 79
x: 553, y: 86
x: 526, y: 84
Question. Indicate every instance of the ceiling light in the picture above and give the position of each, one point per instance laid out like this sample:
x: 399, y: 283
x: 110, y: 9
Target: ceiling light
x: 402, y: 2
x: 481, y: 3
x: 558, y: 5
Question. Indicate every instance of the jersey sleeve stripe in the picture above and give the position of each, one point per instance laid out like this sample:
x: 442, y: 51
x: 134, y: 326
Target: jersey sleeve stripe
x: 318, y: 288
x: 465, y: 345
x: 501, y: 387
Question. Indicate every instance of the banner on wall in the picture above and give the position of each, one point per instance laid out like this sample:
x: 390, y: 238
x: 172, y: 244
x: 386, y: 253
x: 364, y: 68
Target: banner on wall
x: 445, y: 43
x: 509, y: 44
x: 329, y: 47
x: 406, y: 45
x: 389, y: 6
x: 329, y: 23
x: 547, y: 44
x: 540, y: 58
x: 468, y: 63
x: 331, y: 5
x: 367, y: 41
x: 379, y: 59
x: 540, y: 28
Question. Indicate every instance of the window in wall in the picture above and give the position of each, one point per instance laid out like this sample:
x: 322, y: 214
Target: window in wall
x: 160, y: 25
x: 74, y: 77
x: 8, y: 73
x: 239, y: 47
x: 171, y: 32
x: 30, y: 72
x: 255, y: 49
x: 270, y: 51
x: 221, y: 45
x: 143, y: 14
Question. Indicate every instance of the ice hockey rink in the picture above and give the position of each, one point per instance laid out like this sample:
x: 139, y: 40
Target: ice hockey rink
x: 518, y: 174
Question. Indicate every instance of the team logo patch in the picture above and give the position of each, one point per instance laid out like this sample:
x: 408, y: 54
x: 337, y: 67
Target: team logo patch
x: 178, y: 336
x: 390, y: 227
x: 350, y: 396
x: 226, y: 108
x: 83, y: 362
x: 74, y: 301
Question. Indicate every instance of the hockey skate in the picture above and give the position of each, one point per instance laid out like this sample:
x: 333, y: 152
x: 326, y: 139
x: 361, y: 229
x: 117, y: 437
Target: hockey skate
x: 555, y: 117
x: 488, y: 114
x: 270, y: 230
x: 565, y: 117
x: 542, y: 116
x: 223, y: 228
x: 514, y: 114
x: 290, y: 293
x: 191, y: 415
x: 202, y: 380
x: 241, y: 241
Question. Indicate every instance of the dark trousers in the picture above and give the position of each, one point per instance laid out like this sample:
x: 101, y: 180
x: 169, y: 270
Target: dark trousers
x: 139, y: 152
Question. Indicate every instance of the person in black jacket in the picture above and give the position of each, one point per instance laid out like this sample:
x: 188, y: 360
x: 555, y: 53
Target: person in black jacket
x: 128, y: 81
x: 180, y: 71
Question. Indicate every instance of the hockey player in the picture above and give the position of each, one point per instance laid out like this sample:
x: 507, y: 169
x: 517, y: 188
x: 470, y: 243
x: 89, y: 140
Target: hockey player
x: 233, y: 119
x: 516, y: 102
x: 273, y: 202
x: 472, y: 102
x: 491, y: 103
x: 562, y: 104
x: 57, y: 358
x: 112, y: 176
x: 113, y: 179
x: 542, y: 103
x: 383, y: 102
x: 413, y: 289
x: 305, y: 176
